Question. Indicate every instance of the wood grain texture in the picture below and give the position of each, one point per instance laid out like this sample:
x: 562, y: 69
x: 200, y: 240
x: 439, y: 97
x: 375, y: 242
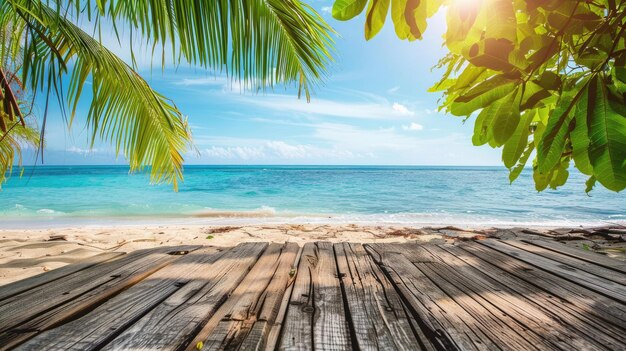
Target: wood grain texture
x: 376, y: 313
x: 476, y: 295
x: 25, y: 314
x: 316, y: 316
x: 20, y: 286
x: 572, y: 320
x: 588, y: 256
x: 254, y: 301
x: 175, y: 321
x: 545, y: 330
x: 104, y: 323
x: 617, y: 277
x: 447, y: 324
x: 593, y: 303
x: 601, y: 285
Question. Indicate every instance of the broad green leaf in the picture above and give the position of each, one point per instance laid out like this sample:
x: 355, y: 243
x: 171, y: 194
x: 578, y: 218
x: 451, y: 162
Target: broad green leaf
x: 517, y: 170
x: 470, y: 75
x: 344, y: 10
x: 606, y: 120
x: 409, y: 18
x: 579, y: 136
x: 506, y: 119
x: 497, y: 122
x: 465, y: 22
x: 552, y: 141
x: 592, y: 58
x: 491, y: 53
x: 402, y: 28
x: 620, y: 67
x: 501, y: 21
x: 482, y: 96
x: 589, y: 184
x: 542, y: 180
x: 549, y: 81
x: 560, y: 175
x: 534, y: 94
x: 482, y: 127
x: 376, y: 15
x: 515, y: 146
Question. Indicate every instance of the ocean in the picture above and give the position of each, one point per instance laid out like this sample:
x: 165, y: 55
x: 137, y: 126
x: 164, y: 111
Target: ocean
x: 47, y: 196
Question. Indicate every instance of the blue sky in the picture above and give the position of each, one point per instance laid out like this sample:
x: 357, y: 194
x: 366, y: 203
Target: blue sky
x: 373, y: 109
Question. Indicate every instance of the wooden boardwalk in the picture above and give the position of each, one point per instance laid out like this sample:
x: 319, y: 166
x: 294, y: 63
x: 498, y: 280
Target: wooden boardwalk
x: 478, y: 295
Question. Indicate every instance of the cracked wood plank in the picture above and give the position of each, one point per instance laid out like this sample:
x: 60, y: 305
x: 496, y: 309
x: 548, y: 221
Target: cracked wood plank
x: 316, y: 317
x: 25, y: 314
x: 104, y: 323
x: 376, y: 312
x: 538, y: 327
x: 445, y: 323
x: 588, y: 256
x: 593, y: 303
x: 251, y: 309
x: 592, y: 268
x: 174, y: 322
x: 603, y: 286
x: 20, y: 286
x: 569, y: 320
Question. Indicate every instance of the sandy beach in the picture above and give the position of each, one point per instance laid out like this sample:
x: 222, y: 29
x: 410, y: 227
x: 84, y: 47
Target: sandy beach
x: 28, y: 252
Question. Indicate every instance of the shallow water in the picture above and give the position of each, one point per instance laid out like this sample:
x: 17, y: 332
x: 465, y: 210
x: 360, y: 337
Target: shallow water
x: 55, y: 195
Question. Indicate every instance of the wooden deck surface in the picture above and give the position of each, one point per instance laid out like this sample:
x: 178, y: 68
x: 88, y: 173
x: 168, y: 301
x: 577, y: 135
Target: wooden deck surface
x: 477, y: 295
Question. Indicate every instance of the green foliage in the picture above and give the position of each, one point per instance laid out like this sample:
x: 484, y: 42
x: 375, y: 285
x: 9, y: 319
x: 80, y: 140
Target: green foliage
x: 542, y: 77
x: 258, y: 42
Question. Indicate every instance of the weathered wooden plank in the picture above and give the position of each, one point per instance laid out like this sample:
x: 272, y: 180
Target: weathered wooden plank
x: 606, y: 287
x: 502, y: 330
x: 593, y: 303
x: 540, y: 328
x: 279, y: 318
x: 316, y: 316
x: 50, y: 304
x: 376, y: 313
x: 589, y: 256
x: 20, y: 286
x: 503, y: 327
x: 254, y: 300
x: 173, y: 324
x: 567, y: 320
x: 592, y: 268
x: 446, y: 323
x: 104, y: 323
x: 256, y: 340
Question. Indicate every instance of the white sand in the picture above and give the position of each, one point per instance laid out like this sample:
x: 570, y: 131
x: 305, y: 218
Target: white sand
x: 27, y: 252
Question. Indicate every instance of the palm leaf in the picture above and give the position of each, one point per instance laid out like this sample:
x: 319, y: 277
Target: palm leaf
x: 259, y: 42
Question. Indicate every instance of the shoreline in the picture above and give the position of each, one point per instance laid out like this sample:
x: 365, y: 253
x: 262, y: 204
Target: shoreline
x: 27, y: 252
x: 400, y: 219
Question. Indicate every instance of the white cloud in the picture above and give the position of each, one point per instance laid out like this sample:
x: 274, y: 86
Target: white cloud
x: 327, y: 9
x: 402, y: 110
x: 393, y: 90
x: 215, y: 81
x: 369, y: 109
x: 413, y: 126
x: 81, y: 151
x: 257, y: 150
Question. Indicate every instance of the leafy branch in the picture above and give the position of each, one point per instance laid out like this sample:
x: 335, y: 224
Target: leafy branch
x: 538, y: 76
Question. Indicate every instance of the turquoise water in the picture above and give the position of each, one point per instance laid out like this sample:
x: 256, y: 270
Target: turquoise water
x: 49, y: 195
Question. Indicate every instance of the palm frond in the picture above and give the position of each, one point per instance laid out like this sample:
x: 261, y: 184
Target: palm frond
x: 259, y: 42
x: 12, y: 142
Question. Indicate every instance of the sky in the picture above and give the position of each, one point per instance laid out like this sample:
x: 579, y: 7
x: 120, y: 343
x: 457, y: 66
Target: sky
x: 374, y: 109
